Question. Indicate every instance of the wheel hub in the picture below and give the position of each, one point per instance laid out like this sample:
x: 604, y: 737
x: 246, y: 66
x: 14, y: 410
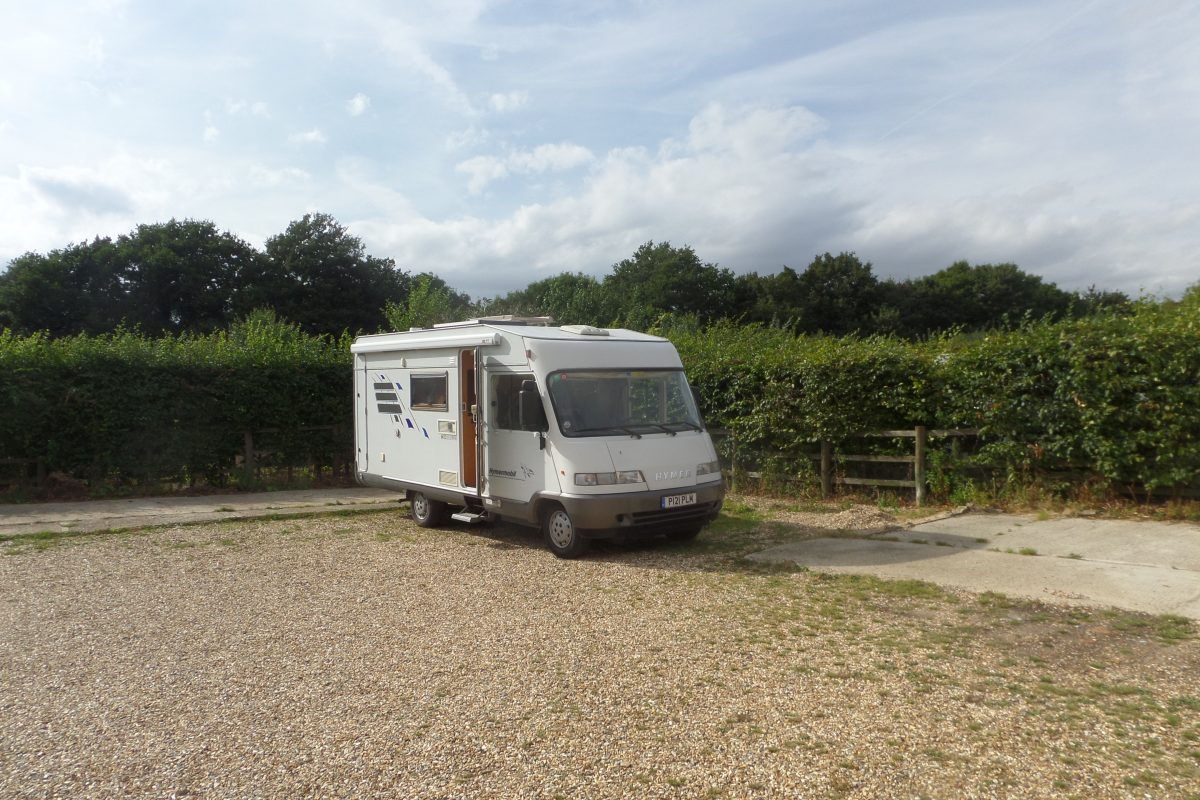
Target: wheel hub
x: 561, y: 530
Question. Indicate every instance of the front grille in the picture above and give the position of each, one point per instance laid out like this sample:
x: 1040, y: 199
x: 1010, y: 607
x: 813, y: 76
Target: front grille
x: 668, y: 516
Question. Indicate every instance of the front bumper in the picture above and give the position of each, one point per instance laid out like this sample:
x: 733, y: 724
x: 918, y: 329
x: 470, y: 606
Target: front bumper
x: 638, y: 512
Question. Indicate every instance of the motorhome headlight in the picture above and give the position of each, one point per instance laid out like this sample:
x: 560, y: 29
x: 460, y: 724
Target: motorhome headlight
x: 709, y: 468
x: 608, y: 478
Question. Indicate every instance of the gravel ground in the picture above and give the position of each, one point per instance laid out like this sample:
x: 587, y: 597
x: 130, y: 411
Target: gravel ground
x: 360, y: 656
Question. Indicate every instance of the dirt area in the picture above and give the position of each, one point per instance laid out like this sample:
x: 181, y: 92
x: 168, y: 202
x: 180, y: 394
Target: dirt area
x: 356, y: 655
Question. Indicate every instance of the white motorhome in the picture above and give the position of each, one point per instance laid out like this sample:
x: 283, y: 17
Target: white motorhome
x: 586, y: 432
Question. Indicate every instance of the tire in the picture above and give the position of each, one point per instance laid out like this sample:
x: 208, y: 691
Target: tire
x: 684, y: 535
x: 562, y: 537
x: 425, y: 512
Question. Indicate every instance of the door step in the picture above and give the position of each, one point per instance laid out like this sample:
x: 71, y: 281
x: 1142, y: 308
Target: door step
x: 468, y: 516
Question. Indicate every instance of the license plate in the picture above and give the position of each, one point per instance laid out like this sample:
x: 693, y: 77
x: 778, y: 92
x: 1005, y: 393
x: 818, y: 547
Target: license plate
x: 677, y: 500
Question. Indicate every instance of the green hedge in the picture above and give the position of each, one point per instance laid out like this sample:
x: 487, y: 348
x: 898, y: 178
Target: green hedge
x: 1117, y: 397
x: 127, y: 408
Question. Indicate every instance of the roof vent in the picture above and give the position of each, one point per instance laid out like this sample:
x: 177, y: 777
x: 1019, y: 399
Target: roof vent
x: 585, y: 330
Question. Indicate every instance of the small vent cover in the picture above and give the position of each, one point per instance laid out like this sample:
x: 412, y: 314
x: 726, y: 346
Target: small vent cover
x: 585, y: 330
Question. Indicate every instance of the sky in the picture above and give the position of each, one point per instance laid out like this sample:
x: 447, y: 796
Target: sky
x: 495, y: 143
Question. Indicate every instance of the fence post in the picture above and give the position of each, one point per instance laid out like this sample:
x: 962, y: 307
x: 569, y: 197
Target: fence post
x: 733, y: 467
x: 248, y: 455
x: 826, y: 468
x: 919, y: 464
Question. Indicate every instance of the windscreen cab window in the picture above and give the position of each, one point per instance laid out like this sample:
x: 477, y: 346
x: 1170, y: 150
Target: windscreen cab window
x: 429, y: 391
x: 505, y: 394
x: 615, y: 402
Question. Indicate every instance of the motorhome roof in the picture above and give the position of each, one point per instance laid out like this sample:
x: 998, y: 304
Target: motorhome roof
x: 452, y: 333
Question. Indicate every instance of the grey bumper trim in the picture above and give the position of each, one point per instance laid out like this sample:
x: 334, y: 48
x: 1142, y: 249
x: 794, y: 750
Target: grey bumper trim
x: 633, y: 511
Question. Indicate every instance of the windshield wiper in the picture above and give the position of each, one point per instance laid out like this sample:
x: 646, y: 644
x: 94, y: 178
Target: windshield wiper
x: 690, y: 425
x: 634, y: 434
x: 671, y: 431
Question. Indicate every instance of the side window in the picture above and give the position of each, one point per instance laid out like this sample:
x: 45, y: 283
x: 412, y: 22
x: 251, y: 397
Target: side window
x: 506, y: 402
x: 429, y: 392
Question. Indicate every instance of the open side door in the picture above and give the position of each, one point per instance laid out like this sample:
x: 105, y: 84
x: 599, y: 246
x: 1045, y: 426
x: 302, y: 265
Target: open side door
x: 468, y: 414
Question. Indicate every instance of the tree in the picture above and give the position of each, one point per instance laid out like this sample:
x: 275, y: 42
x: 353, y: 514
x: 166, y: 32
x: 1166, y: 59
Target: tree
x: 319, y: 276
x: 183, y: 275
x: 570, y: 298
x: 980, y: 297
x: 836, y: 295
x: 164, y: 278
x: 661, y: 279
x: 76, y: 289
x: 776, y: 300
x: 429, y: 302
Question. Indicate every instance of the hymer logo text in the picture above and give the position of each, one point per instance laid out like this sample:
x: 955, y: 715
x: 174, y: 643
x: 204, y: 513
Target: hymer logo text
x: 672, y: 474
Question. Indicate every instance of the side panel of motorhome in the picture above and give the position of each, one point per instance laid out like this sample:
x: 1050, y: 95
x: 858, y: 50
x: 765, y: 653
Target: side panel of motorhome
x: 411, y: 417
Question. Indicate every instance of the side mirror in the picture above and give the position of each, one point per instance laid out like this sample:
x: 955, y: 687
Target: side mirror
x: 533, y: 415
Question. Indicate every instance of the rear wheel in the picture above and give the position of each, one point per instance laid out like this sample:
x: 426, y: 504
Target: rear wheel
x: 425, y: 512
x: 562, y: 537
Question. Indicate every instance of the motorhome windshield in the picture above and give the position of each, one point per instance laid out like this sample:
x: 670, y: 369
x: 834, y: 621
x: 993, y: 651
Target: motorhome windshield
x: 635, y: 402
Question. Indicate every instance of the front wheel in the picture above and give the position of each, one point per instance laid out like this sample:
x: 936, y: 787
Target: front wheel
x: 425, y: 512
x: 562, y: 537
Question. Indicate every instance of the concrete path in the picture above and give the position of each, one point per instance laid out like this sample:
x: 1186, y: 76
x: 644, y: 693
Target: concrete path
x: 1141, y: 566
x: 91, y: 515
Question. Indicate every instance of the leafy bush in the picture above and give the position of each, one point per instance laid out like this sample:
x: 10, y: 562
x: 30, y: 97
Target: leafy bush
x: 1116, y: 396
x: 125, y: 407
x: 1111, y: 397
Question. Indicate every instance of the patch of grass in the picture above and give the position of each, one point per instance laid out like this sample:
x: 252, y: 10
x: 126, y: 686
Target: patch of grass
x: 996, y: 600
x: 226, y: 508
x: 1028, y: 551
x: 1166, y: 627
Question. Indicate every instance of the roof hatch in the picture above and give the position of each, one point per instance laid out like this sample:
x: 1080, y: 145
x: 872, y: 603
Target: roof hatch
x: 584, y: 330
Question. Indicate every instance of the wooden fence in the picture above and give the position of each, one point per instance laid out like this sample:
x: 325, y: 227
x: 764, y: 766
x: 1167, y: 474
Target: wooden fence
x: 827, y: 458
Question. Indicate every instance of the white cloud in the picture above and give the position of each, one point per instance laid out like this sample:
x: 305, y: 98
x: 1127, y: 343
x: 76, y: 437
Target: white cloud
x: 709, y: 190
x: 313, y: 136
x: 482, y: 171
x: 468, y: 137
x: 257, y: 108
x: 95, y: 50
x: 405, y: 45
x: 358, y: 104
x: 265, y: 176
x: 550, y: 158
x: 211, y: 132
x: 543, y: 158
x: 509, y: 101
